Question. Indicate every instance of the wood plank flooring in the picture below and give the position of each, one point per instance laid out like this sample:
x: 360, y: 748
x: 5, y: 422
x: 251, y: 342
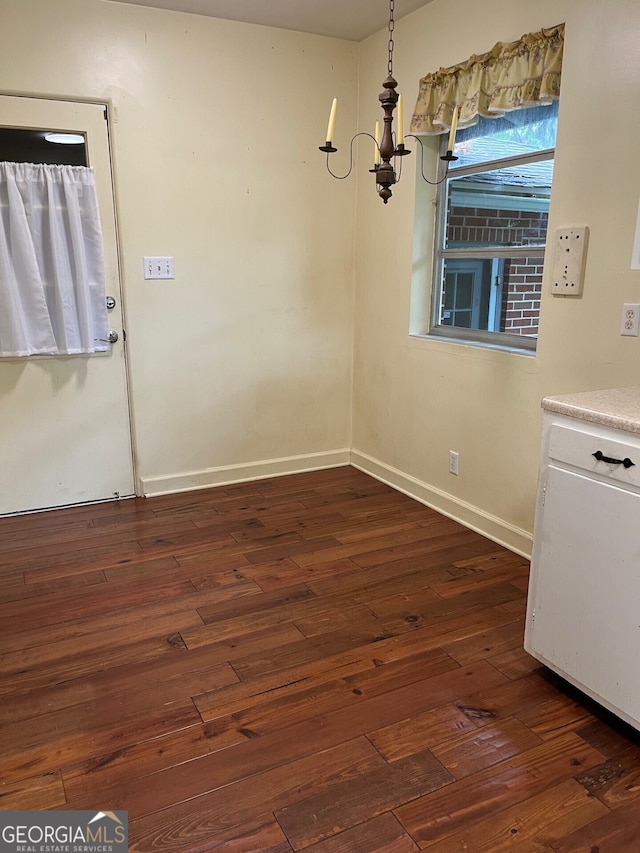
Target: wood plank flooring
x: 310, y: 663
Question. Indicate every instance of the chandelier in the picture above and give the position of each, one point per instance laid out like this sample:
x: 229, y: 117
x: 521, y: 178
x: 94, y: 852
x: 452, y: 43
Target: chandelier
x: 390, y: 149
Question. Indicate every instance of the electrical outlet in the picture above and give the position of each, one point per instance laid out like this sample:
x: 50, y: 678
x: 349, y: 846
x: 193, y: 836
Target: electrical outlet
x: 454, y: 462
x: 156, y: 268
x: 630, y: 324
x: 569, y: 261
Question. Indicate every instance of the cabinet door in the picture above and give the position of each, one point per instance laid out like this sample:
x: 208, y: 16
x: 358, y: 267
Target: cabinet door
x: 584, y: 611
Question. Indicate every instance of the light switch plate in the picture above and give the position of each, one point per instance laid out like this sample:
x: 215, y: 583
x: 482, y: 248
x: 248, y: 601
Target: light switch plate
x: 159, y: 268
x: 569, y: 260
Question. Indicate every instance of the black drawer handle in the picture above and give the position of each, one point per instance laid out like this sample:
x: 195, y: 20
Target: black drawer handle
x: 602, y: 458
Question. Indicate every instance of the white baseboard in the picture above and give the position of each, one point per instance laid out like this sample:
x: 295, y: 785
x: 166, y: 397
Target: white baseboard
x: 494, y: 528
x: 509, y: 536
x: 227, y: 474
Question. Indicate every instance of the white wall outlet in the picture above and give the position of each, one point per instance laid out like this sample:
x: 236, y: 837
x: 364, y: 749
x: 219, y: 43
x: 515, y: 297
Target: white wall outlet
x: 454, y: 462
x: 155, y: 268
x: 569, y: 260
x: 630, y: 324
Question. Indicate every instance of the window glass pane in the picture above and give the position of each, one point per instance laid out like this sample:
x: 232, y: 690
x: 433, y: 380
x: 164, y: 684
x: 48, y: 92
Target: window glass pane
x: 506, y: 207
x: 449, y: 291
x: 521, y: 292
x: 493, y: 294
x: 18, y: 145
x: 516, y: 133
x: 464, y: 289
x: 495, y: 200
x: 461, y: 319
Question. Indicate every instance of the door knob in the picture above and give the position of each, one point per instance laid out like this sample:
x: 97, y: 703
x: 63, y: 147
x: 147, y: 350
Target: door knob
x: 113, y: 337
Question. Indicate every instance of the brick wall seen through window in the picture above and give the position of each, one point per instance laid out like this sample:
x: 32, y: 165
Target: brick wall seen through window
x: 522, y: 284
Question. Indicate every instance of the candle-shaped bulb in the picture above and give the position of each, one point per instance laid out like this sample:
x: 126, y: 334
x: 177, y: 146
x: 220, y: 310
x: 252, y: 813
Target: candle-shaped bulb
x: 376, y: 145
x: 452, y: 132
x: 400, y: 121
x: 332, y: 120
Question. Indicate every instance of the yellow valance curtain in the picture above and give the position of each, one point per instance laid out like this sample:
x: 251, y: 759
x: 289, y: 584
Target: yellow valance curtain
x: 510, y: 76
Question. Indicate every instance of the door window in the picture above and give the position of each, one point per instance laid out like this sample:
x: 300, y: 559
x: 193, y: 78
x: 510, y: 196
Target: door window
x: 22, y: 145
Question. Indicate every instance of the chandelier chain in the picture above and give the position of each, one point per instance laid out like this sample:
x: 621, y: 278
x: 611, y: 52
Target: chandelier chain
x: 392, y: 25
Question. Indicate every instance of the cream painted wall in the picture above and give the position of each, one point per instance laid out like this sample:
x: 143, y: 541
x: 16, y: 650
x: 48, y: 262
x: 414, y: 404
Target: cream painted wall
x: 246, y: 357
x: 245, y: 361
x: 415, y: 399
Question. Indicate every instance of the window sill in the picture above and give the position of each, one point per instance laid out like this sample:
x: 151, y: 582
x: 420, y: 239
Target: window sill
x: 496, y: 345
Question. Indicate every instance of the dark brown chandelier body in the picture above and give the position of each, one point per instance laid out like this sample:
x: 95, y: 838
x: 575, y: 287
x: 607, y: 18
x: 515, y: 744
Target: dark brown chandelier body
x: 386, y: 148
x: 385, y: 173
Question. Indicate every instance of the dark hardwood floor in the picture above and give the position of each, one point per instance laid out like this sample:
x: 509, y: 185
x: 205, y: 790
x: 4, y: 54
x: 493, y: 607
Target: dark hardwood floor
x: 314, y: 662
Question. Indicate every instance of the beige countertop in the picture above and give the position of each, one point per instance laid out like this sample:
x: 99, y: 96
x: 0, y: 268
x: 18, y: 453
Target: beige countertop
x: 614, y: 407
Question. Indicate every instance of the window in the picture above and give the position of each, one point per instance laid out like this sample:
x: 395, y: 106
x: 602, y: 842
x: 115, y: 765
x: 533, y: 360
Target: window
x: 491, y: 230
x: 18, y: 145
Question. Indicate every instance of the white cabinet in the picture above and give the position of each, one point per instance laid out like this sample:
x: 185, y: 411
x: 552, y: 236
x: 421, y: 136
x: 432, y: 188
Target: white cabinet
x: 583, y: 616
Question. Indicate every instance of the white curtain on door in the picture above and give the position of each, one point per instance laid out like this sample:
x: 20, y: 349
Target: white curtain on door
x: 52, y: 279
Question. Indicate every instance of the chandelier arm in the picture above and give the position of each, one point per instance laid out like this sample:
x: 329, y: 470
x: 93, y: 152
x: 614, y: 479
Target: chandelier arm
x: 353, y: 139
x: 424, y: 177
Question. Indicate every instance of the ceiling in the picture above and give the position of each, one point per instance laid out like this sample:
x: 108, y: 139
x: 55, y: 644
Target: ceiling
x: 348, y: 19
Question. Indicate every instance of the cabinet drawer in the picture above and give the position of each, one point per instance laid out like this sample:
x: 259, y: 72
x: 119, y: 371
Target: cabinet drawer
x: 576, y: 448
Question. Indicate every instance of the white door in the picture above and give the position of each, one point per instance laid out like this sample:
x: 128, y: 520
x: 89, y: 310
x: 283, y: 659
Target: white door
x: 64, y: 421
